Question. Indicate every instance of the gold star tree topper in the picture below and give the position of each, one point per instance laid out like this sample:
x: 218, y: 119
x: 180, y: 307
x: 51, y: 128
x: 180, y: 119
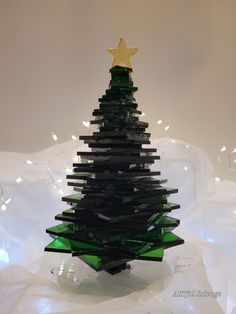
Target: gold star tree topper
x: 122, y: 55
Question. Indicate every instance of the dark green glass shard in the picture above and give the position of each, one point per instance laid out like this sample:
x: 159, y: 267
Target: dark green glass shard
x: 155, y: 235
x: 74, y: 198
x: 166, y: 221
x: 134, y: 246
x: 67, y: 218
x: 82, y: 245
x: 144, y: 249
x: 171, y: 206
x: 62, y: 230
x: 60, y: 245
x: 152, y: 255
x: 102, y: 262
x: 170, y: 239
x: 69, y: 212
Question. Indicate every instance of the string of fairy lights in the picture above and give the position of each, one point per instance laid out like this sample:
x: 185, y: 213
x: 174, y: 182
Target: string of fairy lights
x: 5, y: 200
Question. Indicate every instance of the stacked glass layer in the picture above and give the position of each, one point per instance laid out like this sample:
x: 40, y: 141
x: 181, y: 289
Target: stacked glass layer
x: 120, y: 211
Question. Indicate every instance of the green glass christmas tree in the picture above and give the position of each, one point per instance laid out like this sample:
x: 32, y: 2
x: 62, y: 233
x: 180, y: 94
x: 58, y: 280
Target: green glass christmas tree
x: 120, y: 211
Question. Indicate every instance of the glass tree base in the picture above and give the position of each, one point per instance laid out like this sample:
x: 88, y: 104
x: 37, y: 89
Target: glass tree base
x: 75, y: 276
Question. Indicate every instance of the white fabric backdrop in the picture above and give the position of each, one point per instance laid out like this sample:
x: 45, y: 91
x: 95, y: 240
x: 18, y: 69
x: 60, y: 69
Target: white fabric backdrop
x: 33, y: 281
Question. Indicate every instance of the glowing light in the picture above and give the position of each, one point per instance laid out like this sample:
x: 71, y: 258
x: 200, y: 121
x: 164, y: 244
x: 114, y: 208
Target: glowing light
x: 73, y: 137
x: 8, y: 201
x: 59, y: 180
x: 234, y: 151
x: 76, y: 159
x: 173, y: 141
x: 86, y: 123
x: 210, y: 240
x: 217, y: 179
x: 186, y: 168
x: 3, y: 207
x: 159, y: 122
x: 19, y: 180
x: 167, y: 128
x: 69, y: 170
x: 4, y: 256
x: 187, y: 146
x: 234, y: 160
x: 29, y: 162
x: 54, y: 137
x: 223, y: 149
x: 143, y: 114
x: 61, y: 192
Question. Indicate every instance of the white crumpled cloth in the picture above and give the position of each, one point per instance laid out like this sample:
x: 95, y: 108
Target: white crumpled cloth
x: 34, y: 281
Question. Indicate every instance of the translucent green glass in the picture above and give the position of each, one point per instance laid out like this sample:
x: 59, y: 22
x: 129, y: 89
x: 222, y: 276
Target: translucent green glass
x: 156, y: 253
x: 59, y: 245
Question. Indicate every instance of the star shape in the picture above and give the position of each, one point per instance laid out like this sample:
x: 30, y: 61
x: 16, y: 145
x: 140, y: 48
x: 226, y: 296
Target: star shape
x: 122, y: 55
